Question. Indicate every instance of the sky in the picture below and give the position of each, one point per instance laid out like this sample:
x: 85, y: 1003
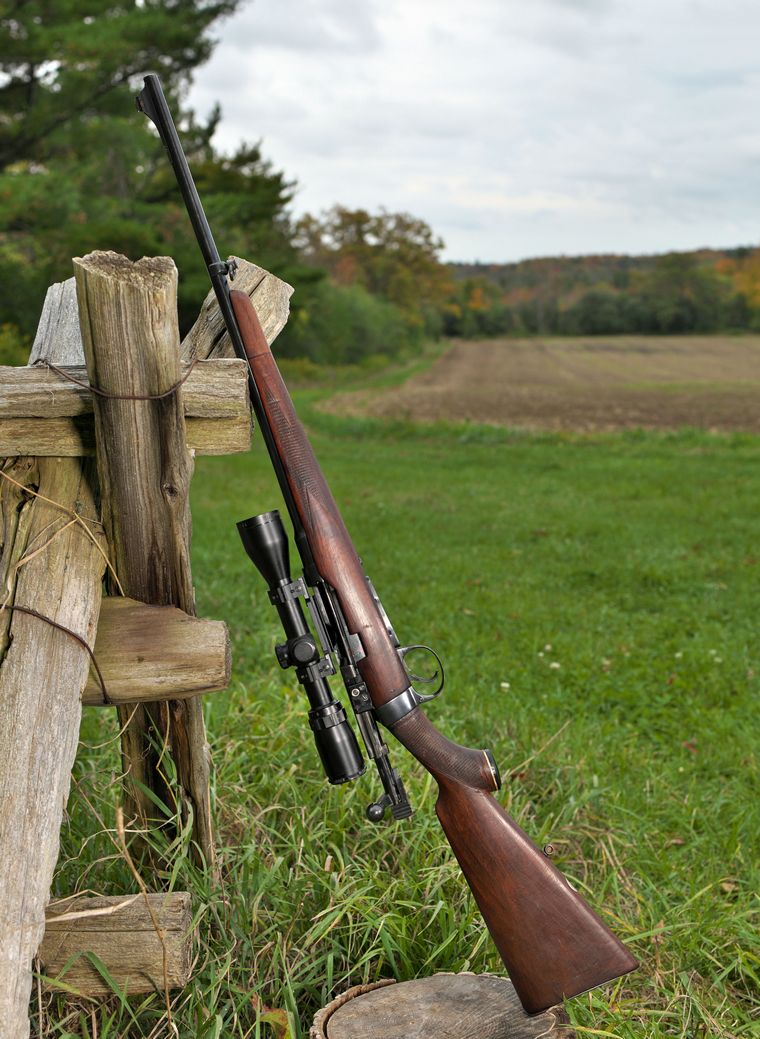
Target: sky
x: 515, y: 128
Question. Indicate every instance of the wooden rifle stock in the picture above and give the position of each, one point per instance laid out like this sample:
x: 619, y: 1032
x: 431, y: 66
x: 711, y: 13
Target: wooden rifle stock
x: 553, y: 944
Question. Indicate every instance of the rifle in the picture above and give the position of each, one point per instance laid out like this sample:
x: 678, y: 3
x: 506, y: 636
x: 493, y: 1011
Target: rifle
x: 553, y: 944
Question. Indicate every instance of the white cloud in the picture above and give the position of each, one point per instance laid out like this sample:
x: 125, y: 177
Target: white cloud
x: 515, y: 129
x: 304, y: 25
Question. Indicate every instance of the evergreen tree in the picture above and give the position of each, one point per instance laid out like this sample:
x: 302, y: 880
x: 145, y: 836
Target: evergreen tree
x: 65, y: 63
x: 80, y: 169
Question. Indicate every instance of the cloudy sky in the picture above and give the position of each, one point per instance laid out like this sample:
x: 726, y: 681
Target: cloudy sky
x: 516, y: 128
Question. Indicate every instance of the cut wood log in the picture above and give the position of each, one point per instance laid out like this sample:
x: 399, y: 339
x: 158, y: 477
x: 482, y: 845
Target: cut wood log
x: 128, y: 317
x: 463, y: 1006
x: 208, y: 336
x: 147, y: 653
x: 51, y: 563
x: 121, y: 933
x: 42, y: 413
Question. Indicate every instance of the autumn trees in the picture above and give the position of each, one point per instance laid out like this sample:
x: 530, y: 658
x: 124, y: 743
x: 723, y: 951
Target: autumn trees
x: 387, y: 287
x: 79, y: 170
x: 608, y: 295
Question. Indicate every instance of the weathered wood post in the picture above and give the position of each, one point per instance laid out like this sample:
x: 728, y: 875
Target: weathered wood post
x: 52, y: 557
x: 128, y: 318
x: 51, y: 562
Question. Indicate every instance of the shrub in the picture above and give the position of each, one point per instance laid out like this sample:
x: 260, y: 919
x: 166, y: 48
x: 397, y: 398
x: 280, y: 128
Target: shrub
x: 14, y: 348
x: 340, y: 324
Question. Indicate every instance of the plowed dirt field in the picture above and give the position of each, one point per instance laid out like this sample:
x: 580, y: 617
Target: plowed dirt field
x: 585, y: 384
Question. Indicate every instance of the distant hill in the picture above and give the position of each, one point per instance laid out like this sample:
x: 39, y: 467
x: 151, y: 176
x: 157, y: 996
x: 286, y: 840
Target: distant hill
x: 566, y: 273
x: 704, y: 290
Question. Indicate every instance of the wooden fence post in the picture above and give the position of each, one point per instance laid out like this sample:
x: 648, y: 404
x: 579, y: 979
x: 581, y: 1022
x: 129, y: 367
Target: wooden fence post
x: 52, y: 557
x: 128, y: 318
x: 51, y: 561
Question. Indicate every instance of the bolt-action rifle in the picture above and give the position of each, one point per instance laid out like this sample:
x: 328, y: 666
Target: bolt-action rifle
x: 552, y: 943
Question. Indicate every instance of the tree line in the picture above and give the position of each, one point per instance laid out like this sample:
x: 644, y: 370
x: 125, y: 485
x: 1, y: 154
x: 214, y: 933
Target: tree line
x: 79, y: 170
x: 696, y: 292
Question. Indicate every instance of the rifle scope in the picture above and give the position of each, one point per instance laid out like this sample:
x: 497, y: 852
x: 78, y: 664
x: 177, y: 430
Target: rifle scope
x: 266, y: 543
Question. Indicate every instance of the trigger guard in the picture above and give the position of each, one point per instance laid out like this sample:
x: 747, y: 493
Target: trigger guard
x: 424, y: 698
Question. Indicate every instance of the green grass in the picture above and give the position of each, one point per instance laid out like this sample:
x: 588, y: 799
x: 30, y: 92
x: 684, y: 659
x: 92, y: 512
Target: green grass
x: 595, y: 601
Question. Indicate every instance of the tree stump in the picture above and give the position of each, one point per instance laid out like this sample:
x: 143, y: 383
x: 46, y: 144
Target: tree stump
x: 462, y: 1006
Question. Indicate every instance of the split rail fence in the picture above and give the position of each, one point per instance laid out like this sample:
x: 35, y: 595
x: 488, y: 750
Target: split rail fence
x: 97, y: 607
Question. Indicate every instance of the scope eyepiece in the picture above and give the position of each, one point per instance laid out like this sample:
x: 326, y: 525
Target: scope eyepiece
x: 336, y: 744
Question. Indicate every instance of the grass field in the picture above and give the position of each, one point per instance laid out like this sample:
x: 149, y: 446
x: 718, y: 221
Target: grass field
x: 595, y: 600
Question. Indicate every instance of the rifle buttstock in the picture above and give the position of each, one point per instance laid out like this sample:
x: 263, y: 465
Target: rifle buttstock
x: 552, y: 943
